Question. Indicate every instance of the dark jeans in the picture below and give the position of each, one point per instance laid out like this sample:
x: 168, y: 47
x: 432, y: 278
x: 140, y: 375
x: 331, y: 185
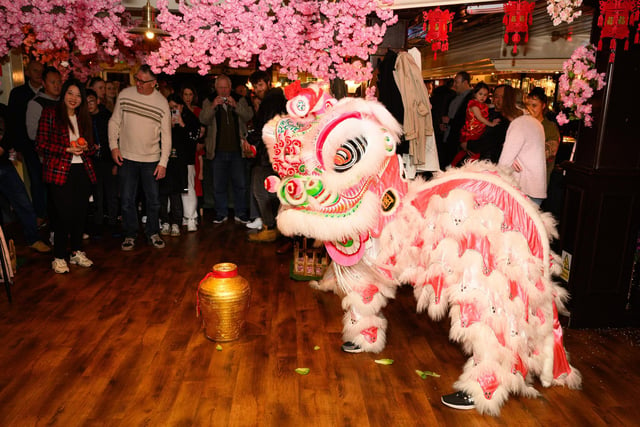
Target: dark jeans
x: 38, y: 189
x: 171, y: 214
x: 129, y: 174
x: 12, y: 187
x: 71, y: 203
x: 230, y: 166
x: 267, y: 202
x: 105, y: 193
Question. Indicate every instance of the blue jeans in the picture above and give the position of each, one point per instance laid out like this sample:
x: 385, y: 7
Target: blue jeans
x: 230, y: 166
x: 129, y: 174
x: 12, y: 187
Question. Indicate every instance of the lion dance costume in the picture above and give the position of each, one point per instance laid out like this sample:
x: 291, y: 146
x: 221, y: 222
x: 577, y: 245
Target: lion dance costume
x: 470, y: 243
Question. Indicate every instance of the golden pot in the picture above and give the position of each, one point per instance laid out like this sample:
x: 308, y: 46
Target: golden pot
x: 223, y: 299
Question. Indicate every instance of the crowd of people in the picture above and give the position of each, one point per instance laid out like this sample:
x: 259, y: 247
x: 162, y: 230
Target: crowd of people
x: 103, y: 161
x: 507, y: 128
x: 152, y: 154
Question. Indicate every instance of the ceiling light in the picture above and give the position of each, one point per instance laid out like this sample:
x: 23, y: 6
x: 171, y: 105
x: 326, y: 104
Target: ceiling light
x: 148, y: 25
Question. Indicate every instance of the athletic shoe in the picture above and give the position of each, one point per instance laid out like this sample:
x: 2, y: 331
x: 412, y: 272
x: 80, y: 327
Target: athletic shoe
x: 241, y: 220
x: 458, y: 400
x: 185, y: 221
x: 128, y: 244
x: 80, y: 258
x: 60, y: 266
x: 349, y: 347
x: 40, y: 246
x: 256, y: 224
x: 156, y: 241
x: 192, y: 225
x: 165, y: 229
x: 175, y: 230
x: 144, y: 219
x: 219, y: 220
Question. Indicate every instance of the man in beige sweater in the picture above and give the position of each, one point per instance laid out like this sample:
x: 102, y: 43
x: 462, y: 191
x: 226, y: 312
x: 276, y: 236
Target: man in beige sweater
x: 140, y: 143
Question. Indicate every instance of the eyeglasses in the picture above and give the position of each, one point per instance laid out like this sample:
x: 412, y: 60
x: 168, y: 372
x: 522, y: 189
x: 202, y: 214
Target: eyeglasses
x: 143, y: 81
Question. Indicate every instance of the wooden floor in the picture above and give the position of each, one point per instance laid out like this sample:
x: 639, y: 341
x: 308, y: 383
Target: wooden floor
x: 120, y: 345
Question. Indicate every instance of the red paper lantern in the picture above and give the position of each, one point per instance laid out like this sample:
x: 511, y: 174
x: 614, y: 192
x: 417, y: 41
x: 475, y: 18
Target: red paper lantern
x: 437, y: 24
x: 517, y: 17
x: 615, y: 18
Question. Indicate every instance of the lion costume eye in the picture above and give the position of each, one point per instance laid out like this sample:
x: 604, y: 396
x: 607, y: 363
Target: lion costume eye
x: 349, y: 153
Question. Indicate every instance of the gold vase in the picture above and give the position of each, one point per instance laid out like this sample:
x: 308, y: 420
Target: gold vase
x: 223, y: 302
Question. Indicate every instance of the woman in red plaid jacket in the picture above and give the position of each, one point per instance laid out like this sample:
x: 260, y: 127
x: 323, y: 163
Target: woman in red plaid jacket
x: 65, y: 141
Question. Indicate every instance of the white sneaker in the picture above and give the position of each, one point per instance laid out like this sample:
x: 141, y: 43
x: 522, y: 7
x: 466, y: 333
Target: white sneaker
x: 175, y: 230
x: 191, y: 225
x: 80, y: 258
x: 60, y: 266
x: 164, y: 229
x: 144, y: 219
x: 256, y: 224
x: 185, y: 221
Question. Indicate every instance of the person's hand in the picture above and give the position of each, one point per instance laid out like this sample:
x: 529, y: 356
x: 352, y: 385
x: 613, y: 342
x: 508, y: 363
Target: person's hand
x: 160, y: 172
x: 495, y: 122
x: 75, y: 150
x: 248, y: 150
x: 463, y: 145
x: 116, y: 156
x: 445, y: 119
x: 516, y: 166
x: 114, y: 170
x: 232, y: 102
x: 219, y: 101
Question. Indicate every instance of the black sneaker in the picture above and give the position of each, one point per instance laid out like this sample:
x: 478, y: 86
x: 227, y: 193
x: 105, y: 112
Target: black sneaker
x: 241, y: 219
x: 349, y: 347
x: 458, y: 400
x: 219, y: 220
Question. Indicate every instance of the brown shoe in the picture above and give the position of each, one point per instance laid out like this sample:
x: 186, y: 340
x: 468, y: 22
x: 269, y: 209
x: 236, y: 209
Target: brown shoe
x: 266, y: 235
x: 40, y: 246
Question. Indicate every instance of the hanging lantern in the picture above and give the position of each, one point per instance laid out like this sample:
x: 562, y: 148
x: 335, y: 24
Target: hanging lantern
x: 615, y: 18
x: 437, y: 24
x: 517, y: 18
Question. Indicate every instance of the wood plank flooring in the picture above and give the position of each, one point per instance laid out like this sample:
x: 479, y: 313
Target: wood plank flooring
x: 119, y: 344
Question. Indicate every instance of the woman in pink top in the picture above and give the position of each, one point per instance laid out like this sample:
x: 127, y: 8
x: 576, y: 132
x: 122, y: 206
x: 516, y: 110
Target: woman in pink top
x: 523, y: 149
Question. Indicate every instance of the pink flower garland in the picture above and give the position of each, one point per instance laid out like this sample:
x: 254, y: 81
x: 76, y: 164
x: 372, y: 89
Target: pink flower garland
x: 563, y: 10
x: 326, y: 39
x: 577, y: 84
x: 321, y: 38
x: 59, y: 31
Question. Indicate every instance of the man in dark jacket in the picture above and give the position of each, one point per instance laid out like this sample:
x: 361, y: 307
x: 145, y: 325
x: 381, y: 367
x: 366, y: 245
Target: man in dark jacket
x: 272, y: 103
x: 105, y: 191
x: 13, y: 189
x: 455, y: 117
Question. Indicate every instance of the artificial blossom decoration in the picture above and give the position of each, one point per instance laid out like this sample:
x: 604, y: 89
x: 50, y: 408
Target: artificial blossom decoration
x: 45, y: 27
x: 563, y: 10
x: 577, y: 84
x: 325, y: 39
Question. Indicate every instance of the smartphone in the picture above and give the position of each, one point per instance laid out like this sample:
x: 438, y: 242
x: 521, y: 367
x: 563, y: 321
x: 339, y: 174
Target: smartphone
x: 175, y: 116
